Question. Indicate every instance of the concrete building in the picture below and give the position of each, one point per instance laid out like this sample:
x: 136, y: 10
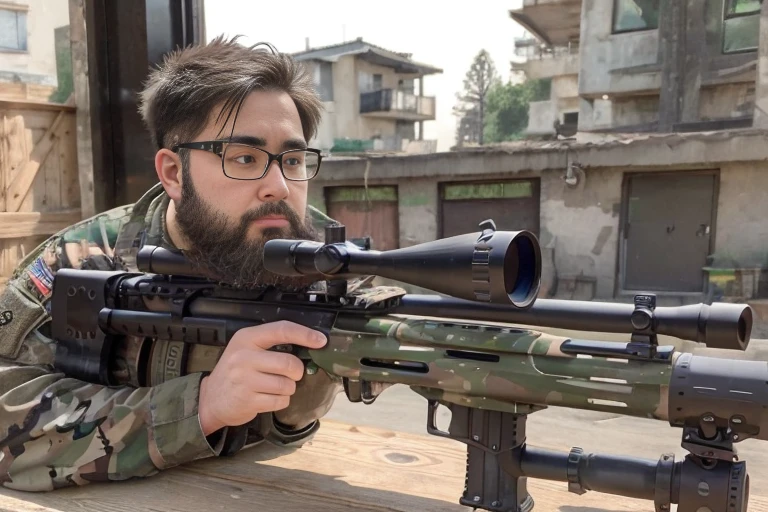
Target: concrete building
x: 642, y: 65
x: 374, y: 98
x: 551, y: 49
x: 35, y: 50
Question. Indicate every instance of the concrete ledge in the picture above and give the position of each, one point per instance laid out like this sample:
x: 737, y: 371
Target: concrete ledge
x: 627, y: 152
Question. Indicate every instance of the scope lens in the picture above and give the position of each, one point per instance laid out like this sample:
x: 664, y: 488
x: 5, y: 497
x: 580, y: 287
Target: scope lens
x: 521, y: 270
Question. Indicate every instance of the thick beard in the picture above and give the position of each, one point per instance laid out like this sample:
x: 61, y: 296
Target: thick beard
x: 225, y: 253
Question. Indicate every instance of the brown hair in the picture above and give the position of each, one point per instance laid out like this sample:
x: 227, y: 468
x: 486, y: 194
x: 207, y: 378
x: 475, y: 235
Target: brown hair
x: 181, y: 94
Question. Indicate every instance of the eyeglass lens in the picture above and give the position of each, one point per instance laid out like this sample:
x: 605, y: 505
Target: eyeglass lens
x: 246, y: 162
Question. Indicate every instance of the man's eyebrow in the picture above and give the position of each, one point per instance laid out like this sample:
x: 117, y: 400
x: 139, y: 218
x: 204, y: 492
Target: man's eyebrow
x: 247, y: 139
x: 260, y: 142
x: 293, y: 144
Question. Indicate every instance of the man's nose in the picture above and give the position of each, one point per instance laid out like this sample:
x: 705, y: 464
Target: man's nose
x: 273, y: 186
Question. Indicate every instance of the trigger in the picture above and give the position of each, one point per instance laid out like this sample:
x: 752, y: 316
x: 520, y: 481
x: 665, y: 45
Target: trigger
x: 432, y: 420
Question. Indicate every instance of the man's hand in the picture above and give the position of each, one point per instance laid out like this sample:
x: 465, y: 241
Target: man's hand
x: 314, y: 397
x: 248, y: 379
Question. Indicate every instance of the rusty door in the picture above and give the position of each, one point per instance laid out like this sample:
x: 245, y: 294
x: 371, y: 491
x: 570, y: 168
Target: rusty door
x: 512, y: 204
x: 668, y: 230
x: 366, y: 212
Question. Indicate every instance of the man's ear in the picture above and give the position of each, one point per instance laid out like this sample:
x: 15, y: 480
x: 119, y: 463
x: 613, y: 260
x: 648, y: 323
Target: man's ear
x: 168, y: 167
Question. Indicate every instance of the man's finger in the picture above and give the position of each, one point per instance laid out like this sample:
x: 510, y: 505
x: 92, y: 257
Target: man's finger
x: 262, y: 402
x: 273, y: 384
x: 283, y: 332
x: 275, y: 363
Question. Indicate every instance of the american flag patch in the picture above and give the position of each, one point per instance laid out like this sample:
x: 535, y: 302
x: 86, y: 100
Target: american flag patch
x: 41, y: 276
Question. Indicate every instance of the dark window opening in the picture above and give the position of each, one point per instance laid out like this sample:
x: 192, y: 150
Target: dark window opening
x: 635, y: 15
x: 571, y: 118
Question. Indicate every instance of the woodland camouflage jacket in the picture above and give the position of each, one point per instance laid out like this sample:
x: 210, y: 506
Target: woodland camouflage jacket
x: 57, y: 431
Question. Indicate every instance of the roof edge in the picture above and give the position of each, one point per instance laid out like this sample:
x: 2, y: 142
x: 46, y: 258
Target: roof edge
x: 643, y: 152
x: 527, y: 23
x: 331, y: 53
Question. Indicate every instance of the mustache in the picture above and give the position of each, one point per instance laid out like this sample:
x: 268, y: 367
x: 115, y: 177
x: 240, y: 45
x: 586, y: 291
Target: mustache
x: 279, y: 208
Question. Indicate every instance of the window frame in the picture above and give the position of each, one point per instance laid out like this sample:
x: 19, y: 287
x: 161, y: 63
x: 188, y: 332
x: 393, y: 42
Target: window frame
x: 728, y: 17
x: 728, y: 3
x: 21, y: 12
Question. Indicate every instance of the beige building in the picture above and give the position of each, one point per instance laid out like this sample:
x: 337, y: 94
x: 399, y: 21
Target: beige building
x: 641, y: 65
x: 35, y: 50
x: 374, y: 98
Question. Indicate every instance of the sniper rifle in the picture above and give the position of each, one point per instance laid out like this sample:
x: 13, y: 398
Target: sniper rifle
x: 463, y: 348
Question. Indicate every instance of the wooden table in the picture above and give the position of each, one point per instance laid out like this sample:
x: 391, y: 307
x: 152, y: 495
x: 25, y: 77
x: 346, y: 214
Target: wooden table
x: 345, y: 468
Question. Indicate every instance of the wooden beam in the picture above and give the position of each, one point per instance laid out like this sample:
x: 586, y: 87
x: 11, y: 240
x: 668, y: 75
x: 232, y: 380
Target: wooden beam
x: 21, y: 183
x: 6, y: 104
x: 78, y: 33
x: 23, y: 224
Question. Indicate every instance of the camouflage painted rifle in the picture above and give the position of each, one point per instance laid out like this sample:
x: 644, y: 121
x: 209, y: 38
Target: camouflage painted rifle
x: 490, y: 375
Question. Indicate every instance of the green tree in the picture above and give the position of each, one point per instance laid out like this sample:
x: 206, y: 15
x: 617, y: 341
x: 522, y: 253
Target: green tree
x: 479, y: 80
x: 507, y: 108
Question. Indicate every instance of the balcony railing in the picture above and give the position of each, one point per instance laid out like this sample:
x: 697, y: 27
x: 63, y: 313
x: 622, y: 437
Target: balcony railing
x: 536, y: 3
x: 399, y: 104
x: 531, y: 49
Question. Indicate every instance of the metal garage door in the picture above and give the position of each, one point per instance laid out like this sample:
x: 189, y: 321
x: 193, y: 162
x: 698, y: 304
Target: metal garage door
x: 512, y: 204
x: 668, y: 230
x: 366, y: 211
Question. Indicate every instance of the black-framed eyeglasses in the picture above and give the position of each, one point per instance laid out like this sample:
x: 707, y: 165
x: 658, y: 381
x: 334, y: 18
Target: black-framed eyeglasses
x: 245, y: 162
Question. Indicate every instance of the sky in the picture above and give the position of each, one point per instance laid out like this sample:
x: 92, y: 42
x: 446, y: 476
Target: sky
x: 443, y: 34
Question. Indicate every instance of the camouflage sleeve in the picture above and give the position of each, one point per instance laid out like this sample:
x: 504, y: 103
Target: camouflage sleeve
x: 57, y: 431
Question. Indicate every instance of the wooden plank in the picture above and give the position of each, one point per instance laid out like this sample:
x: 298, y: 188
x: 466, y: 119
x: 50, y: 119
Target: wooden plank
x: 5, y: 164
x: 70, y: 188
x: 10, y: 152
x: 34, y: 119
x: 80, y: 74
x: 345, y: 468
x: 6, y: 104
x: 36, y: 199
x: 51, y: 174
x: 25, y: 92
x: 14, y: 152
x: 8, y: 504
x: 20, y: 185
x: 24, y: 224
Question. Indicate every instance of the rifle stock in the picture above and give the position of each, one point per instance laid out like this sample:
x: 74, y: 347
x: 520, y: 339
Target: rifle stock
x: 491, y: 376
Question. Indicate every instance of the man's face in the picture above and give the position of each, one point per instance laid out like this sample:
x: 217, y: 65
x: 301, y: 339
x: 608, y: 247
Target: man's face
x: 227, y: 221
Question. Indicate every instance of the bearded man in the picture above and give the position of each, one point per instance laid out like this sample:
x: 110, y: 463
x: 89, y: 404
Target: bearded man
x: 231, y: 125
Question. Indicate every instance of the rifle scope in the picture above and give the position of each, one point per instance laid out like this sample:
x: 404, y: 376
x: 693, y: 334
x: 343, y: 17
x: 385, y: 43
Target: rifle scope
x: 491, y: 266
x: 719, y: 325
